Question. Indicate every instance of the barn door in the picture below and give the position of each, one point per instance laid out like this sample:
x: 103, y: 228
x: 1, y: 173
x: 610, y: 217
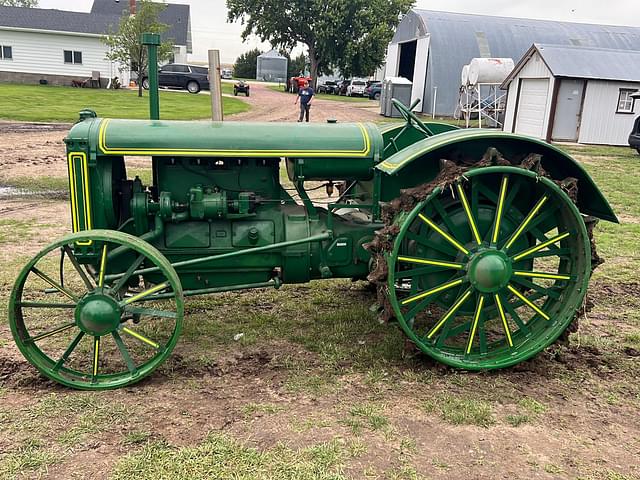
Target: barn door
x: 420, y: 73
x: 532, y: 107
x: 566, y: 123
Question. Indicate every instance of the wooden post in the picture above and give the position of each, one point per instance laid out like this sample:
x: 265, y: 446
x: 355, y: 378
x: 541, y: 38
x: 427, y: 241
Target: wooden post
x: 215, y: 86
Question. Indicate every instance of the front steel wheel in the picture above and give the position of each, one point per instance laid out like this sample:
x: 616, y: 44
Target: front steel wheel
x: 82, y: 313
x: 490, y: 271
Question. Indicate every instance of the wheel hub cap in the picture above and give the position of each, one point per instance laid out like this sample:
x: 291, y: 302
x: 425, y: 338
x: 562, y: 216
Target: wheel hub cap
x: 98, y: 314
x: 490, y: 271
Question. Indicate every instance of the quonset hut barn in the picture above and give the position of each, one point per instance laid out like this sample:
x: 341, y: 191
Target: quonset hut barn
x: 430, y: 48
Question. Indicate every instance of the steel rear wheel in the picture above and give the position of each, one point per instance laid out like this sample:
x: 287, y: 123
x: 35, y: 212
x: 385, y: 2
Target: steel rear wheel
x: 83, y: 316
x: 489, y: 272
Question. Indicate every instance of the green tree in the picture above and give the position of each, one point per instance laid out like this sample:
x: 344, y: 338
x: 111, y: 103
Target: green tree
x: 19, y: 3
x: 351, y: 35
x: 247, y: 64
x: 295, y: 65
x: 125, y: 45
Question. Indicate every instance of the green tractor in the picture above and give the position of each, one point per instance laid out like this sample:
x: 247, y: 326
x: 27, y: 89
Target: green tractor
x: 479, y: 242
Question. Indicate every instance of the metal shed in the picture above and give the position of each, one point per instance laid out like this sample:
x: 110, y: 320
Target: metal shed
x: 574, y: 94
x: 271, y: 67
x: 430, y: 48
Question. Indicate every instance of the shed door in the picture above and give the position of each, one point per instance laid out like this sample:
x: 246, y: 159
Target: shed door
x: 568, y: 109
x: 532, y: 106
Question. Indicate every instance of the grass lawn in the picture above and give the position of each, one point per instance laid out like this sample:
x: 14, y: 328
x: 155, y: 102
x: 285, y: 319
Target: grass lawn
x: 36, y: 103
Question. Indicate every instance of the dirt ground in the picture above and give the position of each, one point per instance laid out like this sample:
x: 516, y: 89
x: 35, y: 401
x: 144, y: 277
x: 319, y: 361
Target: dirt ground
x: 315, y: 379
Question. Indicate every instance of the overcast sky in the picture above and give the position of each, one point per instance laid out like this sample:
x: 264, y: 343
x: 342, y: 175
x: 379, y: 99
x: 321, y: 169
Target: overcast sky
x: 211, y: 30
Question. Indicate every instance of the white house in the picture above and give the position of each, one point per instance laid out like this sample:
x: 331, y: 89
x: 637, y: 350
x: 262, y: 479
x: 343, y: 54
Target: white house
x: 574, y: 94
x: 59, y: 46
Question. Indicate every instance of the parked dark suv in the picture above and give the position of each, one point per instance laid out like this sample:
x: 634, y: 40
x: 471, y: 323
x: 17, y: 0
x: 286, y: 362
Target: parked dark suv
x: 176, y: 75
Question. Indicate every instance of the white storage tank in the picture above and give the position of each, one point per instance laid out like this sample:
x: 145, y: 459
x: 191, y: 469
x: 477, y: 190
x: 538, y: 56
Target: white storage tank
x: 464, y: 77
x: 490, y: 70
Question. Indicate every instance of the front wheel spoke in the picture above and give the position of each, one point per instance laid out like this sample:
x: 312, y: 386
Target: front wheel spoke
x: 50, y: 333
x: 444, y: 234
x: 428, y: 261
x: 556, y: 252
x: 67, y: 353
x: 511, y: 309
x: 78, y: 268
x: 125, y: 277
x: 442, y: 248
x: 131, y: 366
x: 432, y: 291
x: 499, y: 210
x: 54, y: 284
x: 445, y: 217
x: 103, y: 266
x: 530, y: 216
x: 45, y: 305
x: 145, y: 293
x: 142, y: 338
x: 474, y: 324
x: 538, y: 288
x: 150, y: 312
x: 503, y: 318
x: 528, y: 303
x: 467, y: 210
x: 96, y: 357
x: 545, y: 275
x: 450, y: 314
x: 540, y: 246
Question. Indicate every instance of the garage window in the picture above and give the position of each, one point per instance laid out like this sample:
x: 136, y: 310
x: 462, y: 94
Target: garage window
x: 6, y: 52
x: 625, y: 101
x: 73, y: 56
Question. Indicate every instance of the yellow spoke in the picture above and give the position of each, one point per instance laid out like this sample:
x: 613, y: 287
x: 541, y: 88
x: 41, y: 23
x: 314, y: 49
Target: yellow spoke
x: 449, y: 314
x: 146, y: 293
x: 476, y: 318
x: 526, y: 221
x: 446, y: 236
x: 540, y: 246
x: 472, y: 222
x: 436, y: 263
x: 140, y: 337
x: 103, y: 265
x: 426, y: 293
x: 60, y: 329
x: 551, y: 276
x: 504, y: 319
x: 528, y: 302
x: 54, y: 284
x: 96, y: 354
x: 496, y: 227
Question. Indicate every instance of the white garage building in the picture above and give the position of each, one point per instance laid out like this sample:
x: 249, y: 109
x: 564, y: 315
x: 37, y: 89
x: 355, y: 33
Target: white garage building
x: 574, y: 94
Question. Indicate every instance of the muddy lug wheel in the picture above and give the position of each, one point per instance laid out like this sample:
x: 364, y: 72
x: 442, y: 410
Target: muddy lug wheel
x: 490, y: 271
x: 74, y: 320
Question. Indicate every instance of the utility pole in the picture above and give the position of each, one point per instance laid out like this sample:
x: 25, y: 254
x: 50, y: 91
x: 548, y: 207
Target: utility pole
x: 215, y: 86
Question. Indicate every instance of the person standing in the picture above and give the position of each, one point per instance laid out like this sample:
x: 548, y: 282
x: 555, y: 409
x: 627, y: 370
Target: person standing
x: 305, y: 94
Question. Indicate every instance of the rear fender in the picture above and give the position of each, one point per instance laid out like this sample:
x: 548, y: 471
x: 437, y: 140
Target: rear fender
x: 420, y: 163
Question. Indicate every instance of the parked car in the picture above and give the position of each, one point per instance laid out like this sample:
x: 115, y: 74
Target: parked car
x: 328, y: 87
x: 373, y: 90
x: 356, y: 88
x: 226, y: 73
x: 241, y: 87
x: 342, y: 87
x: 634, y: 136
x: 176, y: 75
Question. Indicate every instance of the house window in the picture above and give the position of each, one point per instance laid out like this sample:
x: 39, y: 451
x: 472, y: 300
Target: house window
x: 625, y: 101
x: 73, y: 56
x: 6, y: 52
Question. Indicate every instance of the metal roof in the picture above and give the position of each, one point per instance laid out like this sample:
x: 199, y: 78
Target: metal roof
x: 175, y: 15
x: 98, y: 22
x: 583, y: 62
x: 273, y: 53
x: 456, y: 38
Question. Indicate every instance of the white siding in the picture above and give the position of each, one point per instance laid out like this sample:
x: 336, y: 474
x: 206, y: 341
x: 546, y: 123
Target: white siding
x: 420, y: 73
x: 600, y: 122
x: 391, y: 68
x: 38, y: 52
x: 534, y: 68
